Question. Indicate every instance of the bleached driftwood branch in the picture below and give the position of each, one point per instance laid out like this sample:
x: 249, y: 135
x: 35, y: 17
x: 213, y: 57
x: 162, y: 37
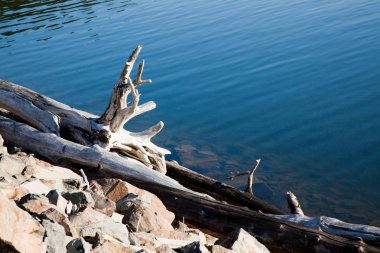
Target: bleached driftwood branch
x: 50, y: 116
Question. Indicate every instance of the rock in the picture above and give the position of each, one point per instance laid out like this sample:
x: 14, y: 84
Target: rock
x: 55, y: 177
x: 116, y: 189
x: 103, y: 204
x: 139, y: 215
x: 12, y: 164
x: 164, y: 249
x: 89, y: 222
x: 56, y: 199
x: 116, y: 217
x: 55, y: 237
x: 78, y: 245
x: 36, y: 186
x: 194, y: 247
x: 79, y: 197
x: 54, y: 215
x: 107, y: 244
x: 220, y: 249
x: 242, y: 241
x: 177, y: 238
x: 145, y: 240
x: 34, y: 203
x: 20, y: 229
x: 11, y: 191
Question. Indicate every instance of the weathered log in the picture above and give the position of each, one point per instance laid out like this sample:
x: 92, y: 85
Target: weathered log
x: 58, y: 129
x: 77, y: 126
x: 63, y: 152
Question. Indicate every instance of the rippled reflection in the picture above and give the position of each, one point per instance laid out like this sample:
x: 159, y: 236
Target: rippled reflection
x: 21, y: 16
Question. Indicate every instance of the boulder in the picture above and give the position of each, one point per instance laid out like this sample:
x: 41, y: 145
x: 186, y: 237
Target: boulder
x: 54, y: 215
x: 241, y: 241
x: 78, y: 245
x: 12, y: 191
x: 55, y: 237
x: 139, y: 215
x: 219, y: 249
x: 116, y: 189
x: 143, y: 239
x: 19, y: 230
x: 36, y: 186
x: 116, y: 217
x: 89, y: 222
x: 164, y: 249
x: 107, y: 244
x: 34, y: 203
x: 56, y: 199
x: 103, y: 204
x: 177, y: 238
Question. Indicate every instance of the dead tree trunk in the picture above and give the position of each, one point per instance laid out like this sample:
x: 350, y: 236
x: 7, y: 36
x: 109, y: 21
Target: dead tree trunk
x: 71, y: 137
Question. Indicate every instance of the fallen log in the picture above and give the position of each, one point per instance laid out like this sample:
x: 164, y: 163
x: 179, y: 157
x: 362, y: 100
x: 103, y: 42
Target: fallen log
x: 80, y: 127
x: 66, y: 136
x: 276, y: 232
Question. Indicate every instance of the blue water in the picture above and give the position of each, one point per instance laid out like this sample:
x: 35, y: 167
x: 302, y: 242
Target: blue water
x: 295, y: 83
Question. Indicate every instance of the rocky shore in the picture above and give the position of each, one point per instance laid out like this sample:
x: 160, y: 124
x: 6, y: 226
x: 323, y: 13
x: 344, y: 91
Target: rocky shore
x: 46, y: 208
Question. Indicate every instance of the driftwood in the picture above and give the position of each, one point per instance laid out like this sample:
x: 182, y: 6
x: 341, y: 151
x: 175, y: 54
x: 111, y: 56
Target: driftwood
x: 75, y: 138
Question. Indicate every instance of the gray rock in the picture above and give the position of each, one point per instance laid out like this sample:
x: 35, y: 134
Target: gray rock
x: 56, y: 199
x: 55, y: 237
x: 54, y: 215
x: 103, y: 204
x: 241, y: 241
x: 140, y: 215
x: 164, y: 249
x: 79, y: 197
x: 89, y: 222
x: 220, y: 249
x: 78, y: 245
x: 36, y: 186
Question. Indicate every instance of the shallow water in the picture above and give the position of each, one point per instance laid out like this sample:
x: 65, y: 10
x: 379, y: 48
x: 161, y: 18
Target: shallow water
x: 295, y: 83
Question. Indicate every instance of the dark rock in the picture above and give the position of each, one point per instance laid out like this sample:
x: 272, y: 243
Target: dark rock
x: 78, y: 245
x: 79, y: 197
x: 55, y: 237
x: 56, y: 199
x: 194, y: 247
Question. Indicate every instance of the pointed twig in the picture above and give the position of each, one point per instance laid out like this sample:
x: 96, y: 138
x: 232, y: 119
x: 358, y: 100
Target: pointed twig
x: 138, y: 81
x: 87, y: 184
x: 294, y: 206
x: 250, y: 177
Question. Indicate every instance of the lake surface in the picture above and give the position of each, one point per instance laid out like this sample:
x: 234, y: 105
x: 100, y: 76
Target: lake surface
x: 295, y: 83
